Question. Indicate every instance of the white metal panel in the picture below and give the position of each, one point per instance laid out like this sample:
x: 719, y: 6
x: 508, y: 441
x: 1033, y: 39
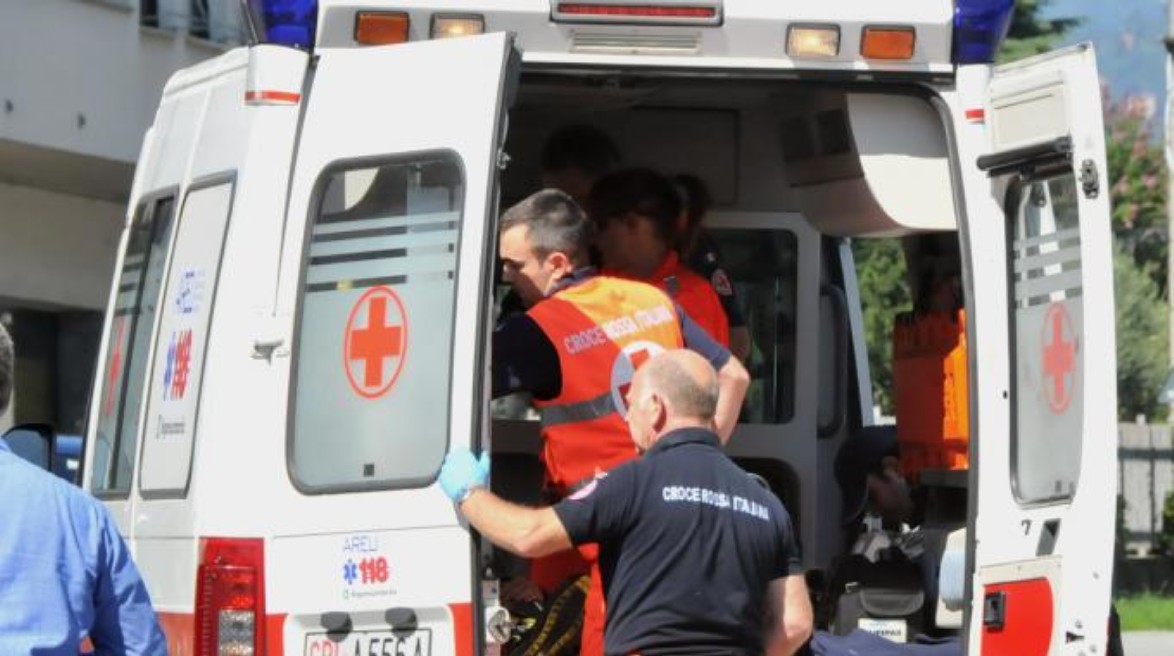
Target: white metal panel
x: 901, y: 143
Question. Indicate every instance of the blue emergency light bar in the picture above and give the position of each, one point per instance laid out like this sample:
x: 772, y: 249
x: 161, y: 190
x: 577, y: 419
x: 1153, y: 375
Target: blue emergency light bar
x: 284, y: 22
x: 979, y: 29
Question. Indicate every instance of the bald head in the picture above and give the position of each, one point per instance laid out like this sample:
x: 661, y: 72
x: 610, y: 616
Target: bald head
x: 686, y: 382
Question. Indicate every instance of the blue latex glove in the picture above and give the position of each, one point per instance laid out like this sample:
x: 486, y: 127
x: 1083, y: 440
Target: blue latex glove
x: 462, y: 472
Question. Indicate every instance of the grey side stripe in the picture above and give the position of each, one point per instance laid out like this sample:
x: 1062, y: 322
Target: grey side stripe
x: 571, y: 413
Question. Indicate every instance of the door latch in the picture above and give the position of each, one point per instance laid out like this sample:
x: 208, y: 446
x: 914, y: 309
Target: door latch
x: 994, y: 610
x: 1090, y: 180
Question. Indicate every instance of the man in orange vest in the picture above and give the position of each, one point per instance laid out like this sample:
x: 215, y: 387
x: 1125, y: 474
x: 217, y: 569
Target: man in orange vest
x: 576, y: 350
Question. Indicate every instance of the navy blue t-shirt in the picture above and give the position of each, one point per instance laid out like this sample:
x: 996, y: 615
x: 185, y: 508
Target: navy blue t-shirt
x: 688, y: 543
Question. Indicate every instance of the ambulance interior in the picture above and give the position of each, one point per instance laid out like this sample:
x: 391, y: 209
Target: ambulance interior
x: 799, y: 173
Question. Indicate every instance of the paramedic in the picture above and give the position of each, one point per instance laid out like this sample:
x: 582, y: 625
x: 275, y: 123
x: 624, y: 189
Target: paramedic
x: 65, y: 573
x: 574, y: 157
x: 698, y: 249
x: 637, y: 211
x: 575, y: 350
x: 691, y: 548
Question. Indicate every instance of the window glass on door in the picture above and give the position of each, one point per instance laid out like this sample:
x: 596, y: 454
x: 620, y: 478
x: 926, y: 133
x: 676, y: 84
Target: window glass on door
x: 139, y: 285
x: 374, y: 343
x: 1047, y: 321
x: 173, y: 404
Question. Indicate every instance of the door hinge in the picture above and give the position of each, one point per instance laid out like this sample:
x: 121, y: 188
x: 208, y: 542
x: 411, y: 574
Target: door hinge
x: 503, y: 159
x: 1090, y: 179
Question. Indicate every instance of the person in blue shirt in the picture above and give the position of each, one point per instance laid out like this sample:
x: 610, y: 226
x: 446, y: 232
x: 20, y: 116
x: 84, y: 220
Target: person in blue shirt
x: 65, y: 573
x: 696, y: 557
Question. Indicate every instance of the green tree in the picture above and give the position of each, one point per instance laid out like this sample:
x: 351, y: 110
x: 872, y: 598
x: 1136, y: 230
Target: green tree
x: 1141, y: 338
x: 1030, y: 34
x: 1137, y: 176
x: 884, y: 293
x: 1166, y: 537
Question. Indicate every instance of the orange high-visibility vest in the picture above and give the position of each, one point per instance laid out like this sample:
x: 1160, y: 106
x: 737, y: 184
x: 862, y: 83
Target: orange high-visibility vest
x: 603, y: 329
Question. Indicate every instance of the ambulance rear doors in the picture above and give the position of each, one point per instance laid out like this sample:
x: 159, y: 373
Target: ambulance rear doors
x: 1043, y: 506
x: 385, y: 278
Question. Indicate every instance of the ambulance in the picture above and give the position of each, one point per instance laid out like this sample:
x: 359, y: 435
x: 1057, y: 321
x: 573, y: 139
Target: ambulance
x: 299, y: 322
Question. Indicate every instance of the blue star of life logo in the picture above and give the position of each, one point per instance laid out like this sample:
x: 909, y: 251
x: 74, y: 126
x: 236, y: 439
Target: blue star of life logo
x: 350, y: 572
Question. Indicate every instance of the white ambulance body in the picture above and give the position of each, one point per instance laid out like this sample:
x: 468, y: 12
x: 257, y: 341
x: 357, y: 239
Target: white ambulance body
x: 299, y: 325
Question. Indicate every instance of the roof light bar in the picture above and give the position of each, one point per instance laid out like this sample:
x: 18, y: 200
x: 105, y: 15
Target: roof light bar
x: 284, y: 22
x: 979, y: 29
x: 658, y: 12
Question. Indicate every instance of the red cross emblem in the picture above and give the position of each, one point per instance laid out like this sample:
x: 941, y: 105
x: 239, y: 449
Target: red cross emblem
x: 375, y: 343
x: 115, y: 368
x: 1059, y: 357
x: 624, y: 369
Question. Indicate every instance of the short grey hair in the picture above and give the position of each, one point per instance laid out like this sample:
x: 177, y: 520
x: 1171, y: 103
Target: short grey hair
x: 7, y: 368
x: 556, y: 225
x: 687, y: 396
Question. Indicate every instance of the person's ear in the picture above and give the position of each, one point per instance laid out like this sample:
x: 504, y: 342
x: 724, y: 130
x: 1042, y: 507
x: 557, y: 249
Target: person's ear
x: 559, y: 264
x: 662, y: 412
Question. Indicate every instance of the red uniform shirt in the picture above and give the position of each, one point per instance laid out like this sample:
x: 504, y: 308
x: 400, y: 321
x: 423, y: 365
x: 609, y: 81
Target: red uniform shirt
x: 693, y: 293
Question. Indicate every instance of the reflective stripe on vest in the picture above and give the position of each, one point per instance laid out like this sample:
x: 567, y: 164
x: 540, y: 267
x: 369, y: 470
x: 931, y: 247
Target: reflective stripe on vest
x: 603, y: 329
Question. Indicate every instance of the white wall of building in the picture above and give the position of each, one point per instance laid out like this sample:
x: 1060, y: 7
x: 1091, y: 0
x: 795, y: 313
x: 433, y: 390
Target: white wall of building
x: 57, y: 249
x: 79, y: 84
x: 83, y: 76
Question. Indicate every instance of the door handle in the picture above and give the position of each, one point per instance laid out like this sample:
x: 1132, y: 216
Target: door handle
x: 994, y: 610
x: 265, y: 349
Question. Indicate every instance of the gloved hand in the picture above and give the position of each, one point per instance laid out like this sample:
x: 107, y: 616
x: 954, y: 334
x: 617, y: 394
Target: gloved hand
x: 461, y: 472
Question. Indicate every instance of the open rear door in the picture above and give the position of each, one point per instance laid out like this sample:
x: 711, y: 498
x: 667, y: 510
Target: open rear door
x: 385, y: 275
x: 1043, y: 542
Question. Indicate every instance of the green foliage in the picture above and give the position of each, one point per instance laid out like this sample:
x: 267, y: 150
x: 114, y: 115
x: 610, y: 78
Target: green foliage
x: 884, y: 293
x: 1141, y: 338
x: 1166, y: 537
x: 1030, y: 34
x: 1137, y: 183
x: 1148, y: 612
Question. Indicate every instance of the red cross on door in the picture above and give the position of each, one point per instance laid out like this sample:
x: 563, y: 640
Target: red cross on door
x: 1059, y: 358
x: 375, y: 343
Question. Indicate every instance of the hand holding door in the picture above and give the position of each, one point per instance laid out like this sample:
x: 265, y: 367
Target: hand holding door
x: 462, y: 472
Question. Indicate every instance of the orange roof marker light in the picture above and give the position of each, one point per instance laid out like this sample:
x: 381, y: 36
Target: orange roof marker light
x: 447, y: 26
x: 893, y: 43
x: 380, y: 28
x: 813, y: 41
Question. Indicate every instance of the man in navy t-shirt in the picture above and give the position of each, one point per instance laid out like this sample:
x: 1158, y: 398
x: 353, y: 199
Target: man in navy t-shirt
x: 696, y: 557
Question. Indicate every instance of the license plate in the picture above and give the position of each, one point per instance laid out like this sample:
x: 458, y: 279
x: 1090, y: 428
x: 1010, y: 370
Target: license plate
x: 371, y: 643
x: 894, y: 630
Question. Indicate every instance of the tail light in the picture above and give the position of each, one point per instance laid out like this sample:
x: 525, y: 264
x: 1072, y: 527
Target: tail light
x: 230, y: 597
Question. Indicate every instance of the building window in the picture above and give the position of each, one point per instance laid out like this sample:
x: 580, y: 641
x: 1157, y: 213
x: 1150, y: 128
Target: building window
x: 215, y: 20
x: 218, y: 21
